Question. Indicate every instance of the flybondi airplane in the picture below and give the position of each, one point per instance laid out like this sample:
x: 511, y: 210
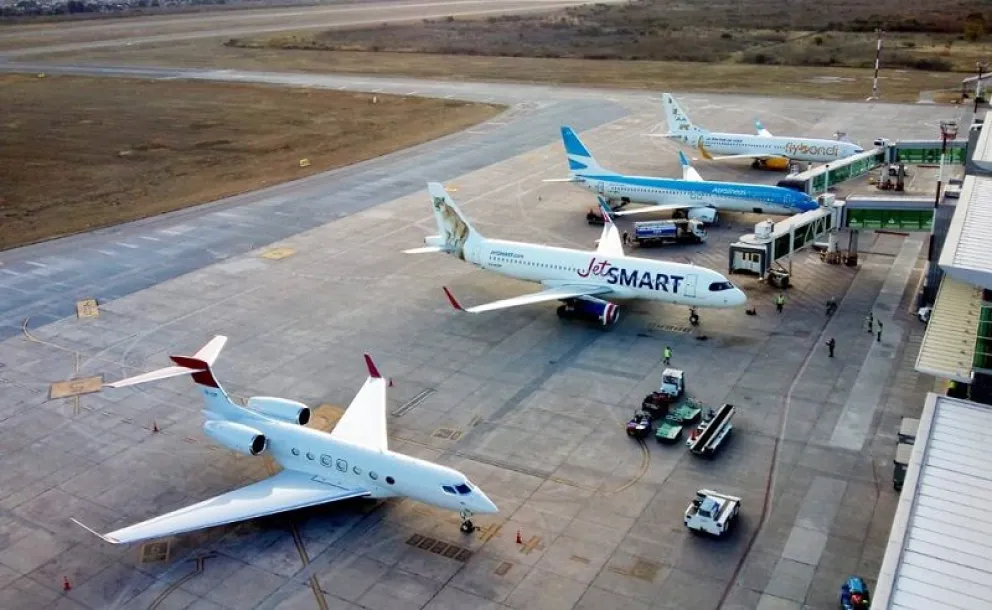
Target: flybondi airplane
x: 581, y: 280
x: 352, y: 461
x: 690, y: 196
x: 763, y: 149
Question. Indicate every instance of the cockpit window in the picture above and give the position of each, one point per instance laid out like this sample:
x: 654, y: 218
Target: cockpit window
x: 718, y: 286
x: 463, y: 489
x: 448, y: 489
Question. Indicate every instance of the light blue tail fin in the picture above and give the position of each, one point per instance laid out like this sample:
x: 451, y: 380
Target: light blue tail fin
x: 579, y: 157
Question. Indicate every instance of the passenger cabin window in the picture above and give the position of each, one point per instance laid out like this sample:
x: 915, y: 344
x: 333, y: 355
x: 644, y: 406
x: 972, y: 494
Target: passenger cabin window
x: 718, y: 286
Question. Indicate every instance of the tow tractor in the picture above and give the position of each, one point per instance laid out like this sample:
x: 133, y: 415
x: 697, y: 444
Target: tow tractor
x: 639, y: 426
x: 712, y: 512
x: 595, y: 215
x: 712, y: 431
x: 672, y: 388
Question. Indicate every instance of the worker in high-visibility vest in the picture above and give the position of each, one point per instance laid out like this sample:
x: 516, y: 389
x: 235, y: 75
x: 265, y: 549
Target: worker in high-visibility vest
x: 780, y: 302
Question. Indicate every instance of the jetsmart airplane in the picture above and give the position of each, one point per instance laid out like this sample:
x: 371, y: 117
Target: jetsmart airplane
x: 577, y: 278
x: 690, y: 196
x: 352, y: 461
x: 764, y: 149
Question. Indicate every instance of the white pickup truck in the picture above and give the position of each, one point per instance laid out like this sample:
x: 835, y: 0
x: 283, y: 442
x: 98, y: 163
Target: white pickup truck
x: 712, y: 512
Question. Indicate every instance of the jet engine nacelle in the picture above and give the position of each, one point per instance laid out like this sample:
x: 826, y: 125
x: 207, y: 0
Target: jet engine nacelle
x: 704, y: 214
x: 238, y: 437
x: 607, y: 313
x: 776, y: 163
x: 282, y: 409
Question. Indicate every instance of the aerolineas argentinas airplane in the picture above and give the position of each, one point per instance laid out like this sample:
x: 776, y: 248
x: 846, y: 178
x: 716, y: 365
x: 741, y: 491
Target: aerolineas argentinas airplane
x: 690, y: 196
x: 764, y: 149
x: 352, y: 461
x: 575, y: 277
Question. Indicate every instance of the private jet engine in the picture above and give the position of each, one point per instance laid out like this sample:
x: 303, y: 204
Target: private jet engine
x: 238, y: 437
x: 590, y: 308
x: 289, y: 411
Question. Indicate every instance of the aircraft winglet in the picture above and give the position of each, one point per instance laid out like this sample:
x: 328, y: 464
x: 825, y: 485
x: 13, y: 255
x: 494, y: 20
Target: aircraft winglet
x: 94, y: 532
x: 702, y: 149
x: 451, y: 299
x: 606, y: 211
x: 373, y: 371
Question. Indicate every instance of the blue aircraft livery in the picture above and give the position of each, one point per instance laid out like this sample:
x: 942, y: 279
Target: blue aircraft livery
x: 631, y: 278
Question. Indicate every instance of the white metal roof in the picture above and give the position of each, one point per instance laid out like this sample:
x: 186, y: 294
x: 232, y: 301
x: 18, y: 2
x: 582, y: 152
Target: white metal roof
x: 948, y: 348
x: 982, y: 155
x: 940, y: 547
x: 967, y: 253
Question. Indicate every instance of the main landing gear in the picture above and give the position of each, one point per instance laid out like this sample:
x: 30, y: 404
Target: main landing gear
x: 467, y: 527
x: 693, y: 317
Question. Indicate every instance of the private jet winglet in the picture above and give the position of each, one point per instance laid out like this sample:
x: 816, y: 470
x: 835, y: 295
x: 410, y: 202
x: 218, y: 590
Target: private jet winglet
x: 94, y: 532
x: 451, y: 299
x: 373, y: 371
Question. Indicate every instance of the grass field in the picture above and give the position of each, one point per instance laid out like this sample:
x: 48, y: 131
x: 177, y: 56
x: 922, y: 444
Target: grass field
x: 793, y: 81
x: 81, y: 153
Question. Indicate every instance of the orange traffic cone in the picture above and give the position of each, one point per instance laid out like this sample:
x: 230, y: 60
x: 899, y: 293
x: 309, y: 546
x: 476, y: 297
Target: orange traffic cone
x: 154, y: 426
x: 65, y: 583
x: 519, y: 539
x: 390, y: 382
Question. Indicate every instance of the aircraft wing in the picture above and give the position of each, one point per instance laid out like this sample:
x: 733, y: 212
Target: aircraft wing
x: 551, y: 294
x: 364, y: 421
x: 760, y: 128
x: 654, y: 208
x: 287, y: 490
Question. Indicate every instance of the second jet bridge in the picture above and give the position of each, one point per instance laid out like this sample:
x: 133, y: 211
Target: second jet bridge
x: 773, y: 241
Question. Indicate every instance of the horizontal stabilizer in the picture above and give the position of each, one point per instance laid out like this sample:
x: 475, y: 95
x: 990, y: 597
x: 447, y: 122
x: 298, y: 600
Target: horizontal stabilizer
x: 424, y: 250
x: 572, y: 179
x: 166, y: 373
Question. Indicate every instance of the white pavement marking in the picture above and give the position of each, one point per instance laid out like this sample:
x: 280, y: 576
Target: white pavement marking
x: 852, y: 426
x: 127, y: 245
x: 34, y: 264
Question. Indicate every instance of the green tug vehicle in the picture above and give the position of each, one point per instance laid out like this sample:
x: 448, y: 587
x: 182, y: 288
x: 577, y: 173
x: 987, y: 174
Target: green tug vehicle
x: 669, y: 430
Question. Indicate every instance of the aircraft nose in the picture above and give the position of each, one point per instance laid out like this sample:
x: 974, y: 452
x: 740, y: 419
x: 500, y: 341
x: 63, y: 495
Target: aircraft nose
x: 484, y: 505
x: 738, y: 298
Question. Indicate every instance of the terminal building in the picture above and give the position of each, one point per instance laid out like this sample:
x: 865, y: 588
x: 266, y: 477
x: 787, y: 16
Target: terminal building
x: 939, y: 553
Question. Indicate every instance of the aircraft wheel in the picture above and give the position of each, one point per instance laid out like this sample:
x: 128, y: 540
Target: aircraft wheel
x: 694, y: 319
x: 467, y: 526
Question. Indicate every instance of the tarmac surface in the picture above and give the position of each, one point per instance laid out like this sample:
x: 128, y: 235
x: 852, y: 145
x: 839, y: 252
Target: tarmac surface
x: 303, y: 277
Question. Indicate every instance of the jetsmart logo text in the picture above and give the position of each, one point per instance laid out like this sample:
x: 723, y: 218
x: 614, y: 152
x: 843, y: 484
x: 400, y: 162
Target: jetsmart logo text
x: 618, y: 276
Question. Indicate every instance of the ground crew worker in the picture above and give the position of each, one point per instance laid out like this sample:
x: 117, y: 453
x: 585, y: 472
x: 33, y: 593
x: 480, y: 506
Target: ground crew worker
x: 626, y: 238
x: 830, y: 346
x: 780, y: 302
x: 879, y: 336
x: 668, y: 355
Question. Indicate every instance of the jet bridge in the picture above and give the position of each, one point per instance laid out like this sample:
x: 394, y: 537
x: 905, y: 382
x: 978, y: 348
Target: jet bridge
x: 773, y: 241
x: 818, y: 180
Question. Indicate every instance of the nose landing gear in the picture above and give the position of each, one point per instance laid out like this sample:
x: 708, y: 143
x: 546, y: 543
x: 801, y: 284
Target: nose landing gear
x: 467, y: 527
x: 693, y: 317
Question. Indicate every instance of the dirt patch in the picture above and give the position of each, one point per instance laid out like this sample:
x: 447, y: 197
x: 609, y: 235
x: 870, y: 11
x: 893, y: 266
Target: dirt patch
x: 81, y: 153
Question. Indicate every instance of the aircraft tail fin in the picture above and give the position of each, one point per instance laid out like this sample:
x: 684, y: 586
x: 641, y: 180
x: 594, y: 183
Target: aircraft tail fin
x: 679, y: 124
x: 454, y: 230
x: 196, y: 366
x: 579, y: 157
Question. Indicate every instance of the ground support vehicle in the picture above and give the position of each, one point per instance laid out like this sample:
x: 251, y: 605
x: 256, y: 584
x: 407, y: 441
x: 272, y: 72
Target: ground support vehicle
x: 664, y: 232
x: 639, y: 426
x: 711, y: 433
x: 854, y: 594
x: 669, y: 430
x: 711, y: 512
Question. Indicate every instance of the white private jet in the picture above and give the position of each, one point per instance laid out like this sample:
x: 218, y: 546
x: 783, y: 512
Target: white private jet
x: 763, y: 149
x: 576, y: 277
x: 352, y: 461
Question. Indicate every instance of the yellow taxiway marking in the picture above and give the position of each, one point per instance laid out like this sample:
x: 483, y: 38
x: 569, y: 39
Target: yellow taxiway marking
x: 87, y: 308
x: 275, y: 254
x: 75, y: 387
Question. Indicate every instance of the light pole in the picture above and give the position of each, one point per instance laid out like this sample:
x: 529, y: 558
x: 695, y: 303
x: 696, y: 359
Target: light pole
x: 878, y: 56
x: 948, y: 131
